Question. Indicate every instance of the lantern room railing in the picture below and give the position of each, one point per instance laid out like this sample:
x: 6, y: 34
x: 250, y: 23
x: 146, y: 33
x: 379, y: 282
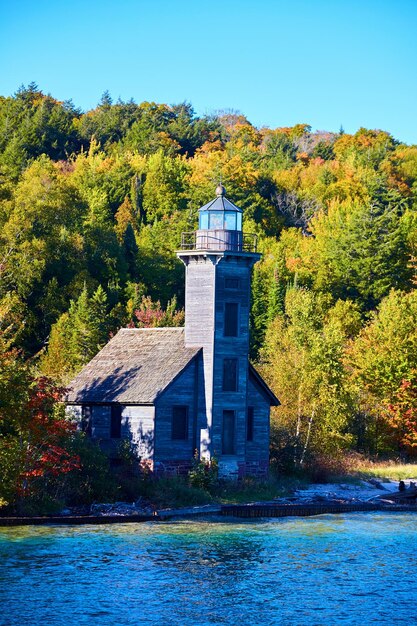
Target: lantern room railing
x: 219, y: 240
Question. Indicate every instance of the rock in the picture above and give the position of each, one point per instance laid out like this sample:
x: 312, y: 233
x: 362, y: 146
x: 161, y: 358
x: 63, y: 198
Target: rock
x: 121, y: 508
x: 376, y: 483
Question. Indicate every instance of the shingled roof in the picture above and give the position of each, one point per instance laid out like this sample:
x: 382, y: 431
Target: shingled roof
x: 134, y: 367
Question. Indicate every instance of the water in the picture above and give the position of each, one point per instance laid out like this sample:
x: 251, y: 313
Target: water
x: 354, y: 569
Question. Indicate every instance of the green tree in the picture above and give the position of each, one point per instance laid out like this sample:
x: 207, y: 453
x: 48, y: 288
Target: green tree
x: 360, y: 251
x: 108, y: 123
x: 381, y: 357
x: 163, y: 190
x: 280, y: 151
x: 33, y: 124
x: 77, y: 336
x: 303, y: 361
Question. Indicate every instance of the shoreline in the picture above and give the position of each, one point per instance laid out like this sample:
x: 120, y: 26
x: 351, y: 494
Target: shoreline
x: 229, y: 512
x: 315, y: 499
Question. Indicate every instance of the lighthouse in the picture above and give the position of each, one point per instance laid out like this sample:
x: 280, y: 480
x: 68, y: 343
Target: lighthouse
x: 219, y: 258
x: 172, y: 391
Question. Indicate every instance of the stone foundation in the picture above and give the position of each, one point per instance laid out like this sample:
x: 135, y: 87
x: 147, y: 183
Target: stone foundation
x: 256, y: 469
x: 228, y: 469
x: 236, y: 470
x: 172, y: 468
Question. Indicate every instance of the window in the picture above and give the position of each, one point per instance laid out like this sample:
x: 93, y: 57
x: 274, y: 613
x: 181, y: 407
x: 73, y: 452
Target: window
x: 231, y: 283
x: 230, y: 220
x: 231, y: 310
x: 230, y: 372
x: 228, y: 446
x: 249, y: 423
x: 216, y: 220
x: 116, y: 421
x: 179, y: 423
x: 204, y: 220
x: 86, y: 421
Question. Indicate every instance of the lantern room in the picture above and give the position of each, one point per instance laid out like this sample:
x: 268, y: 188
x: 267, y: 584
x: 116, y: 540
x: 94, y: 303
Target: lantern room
x: 219, y: 228
x: 219, y: 224
x: 220, y: 213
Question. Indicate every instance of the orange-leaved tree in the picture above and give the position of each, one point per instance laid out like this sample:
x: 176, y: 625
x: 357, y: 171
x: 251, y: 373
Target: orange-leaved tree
x: 35, y: 438
x: 402, y: 416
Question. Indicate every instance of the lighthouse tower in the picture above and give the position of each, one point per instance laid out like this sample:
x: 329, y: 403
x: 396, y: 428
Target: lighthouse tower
x: 219, y: 259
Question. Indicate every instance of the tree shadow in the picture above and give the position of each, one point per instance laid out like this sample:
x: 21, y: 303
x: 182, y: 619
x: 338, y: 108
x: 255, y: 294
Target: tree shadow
x: 103, y: 390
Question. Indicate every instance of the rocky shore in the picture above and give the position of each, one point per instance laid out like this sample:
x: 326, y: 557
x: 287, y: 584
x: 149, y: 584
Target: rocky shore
x: 118, y: 509
x: 312, y: 500
x: 371, y: 490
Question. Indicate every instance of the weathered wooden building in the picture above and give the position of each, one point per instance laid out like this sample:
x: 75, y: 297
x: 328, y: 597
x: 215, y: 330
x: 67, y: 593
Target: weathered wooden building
x: 172, y: 391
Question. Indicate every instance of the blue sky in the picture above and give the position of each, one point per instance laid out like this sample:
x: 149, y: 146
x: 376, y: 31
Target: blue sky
x: 323, y: 62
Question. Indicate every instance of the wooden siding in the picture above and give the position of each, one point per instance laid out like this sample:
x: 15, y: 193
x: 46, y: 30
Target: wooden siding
x: 238, y: 268
x: 200, y: 284
x: 182, y: 392
x: 73, y: 412
x: 138, y: 427
x: 206, y: 296
x: 258, y: 449
x: 100, y: 421
x: 202, y: 431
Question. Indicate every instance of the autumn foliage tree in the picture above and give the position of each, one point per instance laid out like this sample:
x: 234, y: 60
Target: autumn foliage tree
x: 150, y: 314
x: 402, y: 417
x: 35, y: 439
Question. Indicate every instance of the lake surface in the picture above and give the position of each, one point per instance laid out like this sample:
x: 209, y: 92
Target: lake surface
x: 331, y: 569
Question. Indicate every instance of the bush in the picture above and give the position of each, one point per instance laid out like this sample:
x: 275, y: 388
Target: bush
x: 174, y: 492
x: 204, y: 473
x: 284, y: 451
x: 323, y: 469
x: 129, y: 476
x: 94, y: 481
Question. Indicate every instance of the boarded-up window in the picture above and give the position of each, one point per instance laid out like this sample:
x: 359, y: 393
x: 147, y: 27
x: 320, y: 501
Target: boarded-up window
x: 86, y: 421
x: 231, y: 283
x: 249, y: 423
x: 228, y: 446
x: 231, y: 310
x: 116, y: 421
x: 230, y: 371
x: 179, y: 422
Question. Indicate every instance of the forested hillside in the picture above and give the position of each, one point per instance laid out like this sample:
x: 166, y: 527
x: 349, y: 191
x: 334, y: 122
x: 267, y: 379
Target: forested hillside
x: 92, y: 206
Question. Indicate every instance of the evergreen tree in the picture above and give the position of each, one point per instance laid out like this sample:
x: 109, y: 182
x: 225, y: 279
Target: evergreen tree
x: 77, y: 336
x: 131, y: 251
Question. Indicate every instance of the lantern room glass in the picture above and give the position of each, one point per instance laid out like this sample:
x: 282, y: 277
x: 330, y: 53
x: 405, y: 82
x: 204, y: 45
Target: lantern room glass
x: 216, y: 220
x: 204, y: 220
x: 230, y: 220
x: 220, y: 220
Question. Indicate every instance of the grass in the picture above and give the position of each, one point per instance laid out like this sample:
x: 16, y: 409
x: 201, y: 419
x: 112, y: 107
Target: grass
x: 354, y: 468
x: 176, y: 492
x: 388, y: 471
x: 252, y: 490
